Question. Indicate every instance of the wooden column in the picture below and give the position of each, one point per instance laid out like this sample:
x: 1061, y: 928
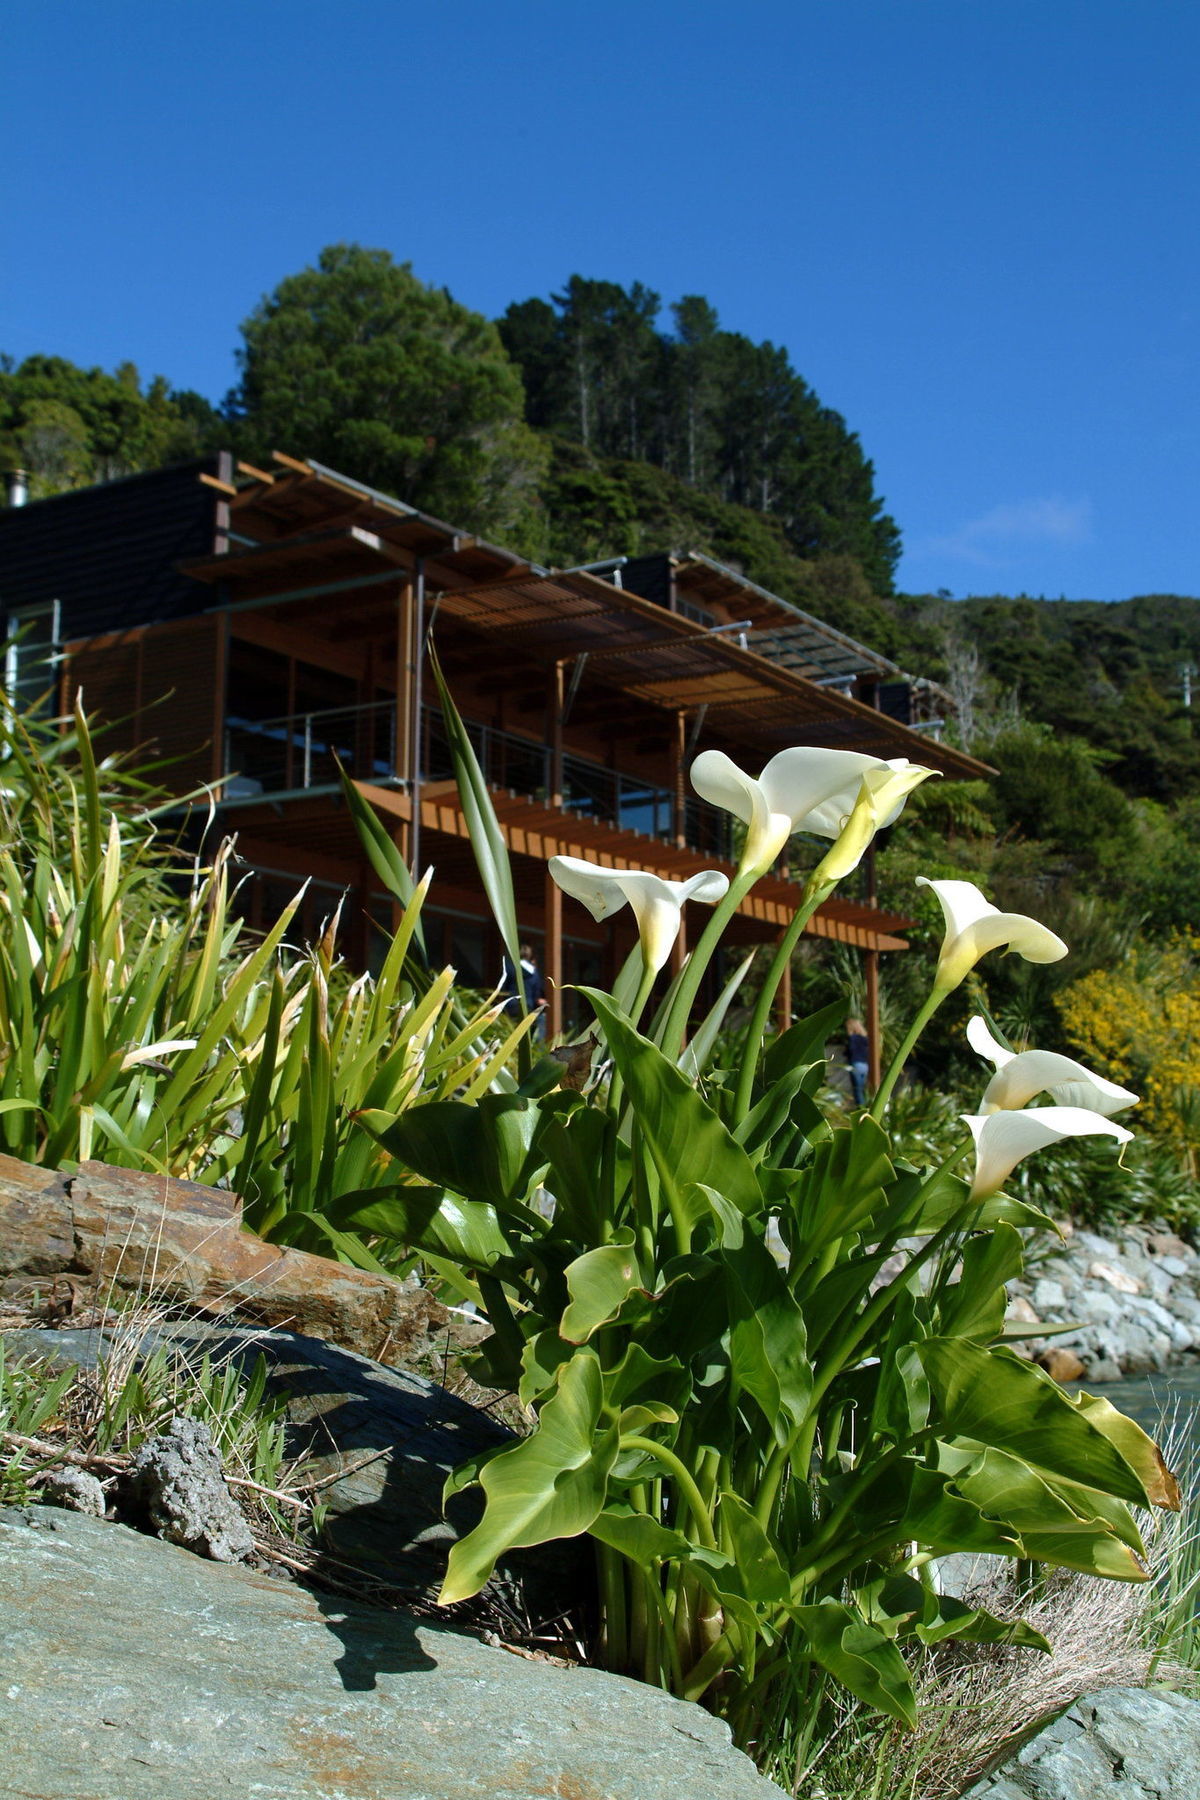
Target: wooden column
x: 552, y: 971
x: 554, y: 730
x: 402, y: 745
x: 678, y: 781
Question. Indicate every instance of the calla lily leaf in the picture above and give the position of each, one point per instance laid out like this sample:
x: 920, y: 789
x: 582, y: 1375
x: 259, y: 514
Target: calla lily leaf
x: 551, y: 1484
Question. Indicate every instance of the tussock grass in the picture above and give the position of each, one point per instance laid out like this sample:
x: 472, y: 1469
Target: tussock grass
x: 977, y: 1703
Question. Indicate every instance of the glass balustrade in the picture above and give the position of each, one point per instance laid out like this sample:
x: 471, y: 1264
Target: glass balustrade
x: 303, y: 750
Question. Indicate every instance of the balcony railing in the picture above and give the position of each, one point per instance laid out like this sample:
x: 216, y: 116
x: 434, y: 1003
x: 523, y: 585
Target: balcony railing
x: 302, y: 750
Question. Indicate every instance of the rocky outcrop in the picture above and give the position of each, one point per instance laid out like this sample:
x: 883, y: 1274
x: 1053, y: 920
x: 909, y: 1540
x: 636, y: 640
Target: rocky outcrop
x: 115, y: 1229
x: 132, y: 1668
x: 1123, y: 1744
x: 1133, y: 1303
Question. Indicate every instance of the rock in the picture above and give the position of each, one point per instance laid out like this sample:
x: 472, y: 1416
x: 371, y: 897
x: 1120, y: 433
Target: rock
x: 1166, y: 1243
x: 1115, y: 1277
x: 74, y: 1489
x: 131, y: 1669
x: 186, y: 1243
x: 177, y: 1481
x: 1060, y: 1364
x: 1020, y: 1312
x: 1123, y: 1744
x: 1049, y: 1298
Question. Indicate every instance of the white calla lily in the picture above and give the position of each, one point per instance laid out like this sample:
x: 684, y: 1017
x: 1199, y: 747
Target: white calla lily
x: 1003, y: 1138
x: 657, y: 904
x: 974, y: 926
x: 802, y: 789
x: 881, y: 798
x: 1020, y: 1075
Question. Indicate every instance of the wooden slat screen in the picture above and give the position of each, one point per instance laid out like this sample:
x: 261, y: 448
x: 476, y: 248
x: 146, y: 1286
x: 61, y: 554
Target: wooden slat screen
x: 161, y: 690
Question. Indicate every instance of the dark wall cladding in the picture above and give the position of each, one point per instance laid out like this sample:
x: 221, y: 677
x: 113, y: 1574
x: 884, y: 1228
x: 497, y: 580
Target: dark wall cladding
x: 107, y: 554
x: 649, y: 577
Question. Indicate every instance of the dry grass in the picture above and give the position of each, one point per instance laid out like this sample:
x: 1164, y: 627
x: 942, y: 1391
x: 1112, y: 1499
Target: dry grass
x: 977, y: 1703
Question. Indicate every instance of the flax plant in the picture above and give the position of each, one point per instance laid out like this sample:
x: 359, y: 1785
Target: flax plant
x: 142, y: 1024
x: 765, y: 1354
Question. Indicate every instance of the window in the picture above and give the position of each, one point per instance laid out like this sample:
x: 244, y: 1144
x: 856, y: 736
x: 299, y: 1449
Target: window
x: 31, y: 659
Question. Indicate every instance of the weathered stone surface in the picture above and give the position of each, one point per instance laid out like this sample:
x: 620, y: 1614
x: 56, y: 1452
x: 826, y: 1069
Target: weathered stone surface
x: 1123, y: 1744
x: 36, y: 1234
x: 177, y: 1480
x: 132, y: 1669
x: 186, y: 1243
x: 1133, y: 1301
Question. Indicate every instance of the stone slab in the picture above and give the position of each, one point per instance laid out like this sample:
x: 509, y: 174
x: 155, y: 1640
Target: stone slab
x: 130, y: 1668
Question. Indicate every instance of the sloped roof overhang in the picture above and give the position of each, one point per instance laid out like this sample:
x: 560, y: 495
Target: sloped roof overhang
x: 669, y: 662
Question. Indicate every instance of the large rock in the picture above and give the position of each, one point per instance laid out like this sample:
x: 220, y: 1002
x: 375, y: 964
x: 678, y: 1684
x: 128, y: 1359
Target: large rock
x: 1123, y: 1744
x: 186, y: 1244
x: 132, y: 1668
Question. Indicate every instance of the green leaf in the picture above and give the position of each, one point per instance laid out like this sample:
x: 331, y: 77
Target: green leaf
x: 1057, y: 1520
x: 803, y: 1043
x: 975, y: 1305
x: 552, y: 1484
x: 764, y: 1578
x: 843, y: 1187
x: 380, y: 850
x: 483, y: 1151
x: 429, y: 1219
x: 642, y: 1539
x: 687, y: 1139
x: 859, y: 1656
x: 767, y: 1338
x: 995, y: 1398
x: 487, y: 839
x: 599, y: 1283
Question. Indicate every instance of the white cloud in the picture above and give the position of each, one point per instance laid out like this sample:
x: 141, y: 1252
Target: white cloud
x: 989, y: 540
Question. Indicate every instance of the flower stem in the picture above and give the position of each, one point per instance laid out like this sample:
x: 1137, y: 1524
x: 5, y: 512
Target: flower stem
x: 698, y: 961
x: 902, y: 1055
x: 756, y: 1030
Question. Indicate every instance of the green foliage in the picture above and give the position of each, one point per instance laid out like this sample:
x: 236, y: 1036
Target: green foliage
x: 69, y: 426
x: 358, y: 363
x: 142, y: 1025
x: 726, y: 416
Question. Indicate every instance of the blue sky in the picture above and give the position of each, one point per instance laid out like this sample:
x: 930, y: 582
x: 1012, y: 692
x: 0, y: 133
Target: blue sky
x: 971, y: 222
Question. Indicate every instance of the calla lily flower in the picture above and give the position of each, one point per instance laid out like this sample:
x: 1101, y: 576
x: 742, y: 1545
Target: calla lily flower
x: 1003, y: 1138
x: 803, y: 789
x: 657, y: 904
x: 1020, y: 1076
x: 974, y: 926
x: 880, y: 800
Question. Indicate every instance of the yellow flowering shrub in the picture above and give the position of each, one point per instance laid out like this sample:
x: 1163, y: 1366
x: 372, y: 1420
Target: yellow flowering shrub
x: 1139, y: 1024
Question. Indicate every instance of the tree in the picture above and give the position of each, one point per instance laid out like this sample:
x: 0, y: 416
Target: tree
x: 729, y: 416
x: 69, y: 426
x: 359, y: 364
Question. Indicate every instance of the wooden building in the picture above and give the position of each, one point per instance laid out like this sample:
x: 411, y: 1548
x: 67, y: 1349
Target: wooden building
x: 255, y: 625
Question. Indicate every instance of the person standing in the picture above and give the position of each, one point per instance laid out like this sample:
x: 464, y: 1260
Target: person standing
x: 532, y: 986
x: 858, y: 1056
